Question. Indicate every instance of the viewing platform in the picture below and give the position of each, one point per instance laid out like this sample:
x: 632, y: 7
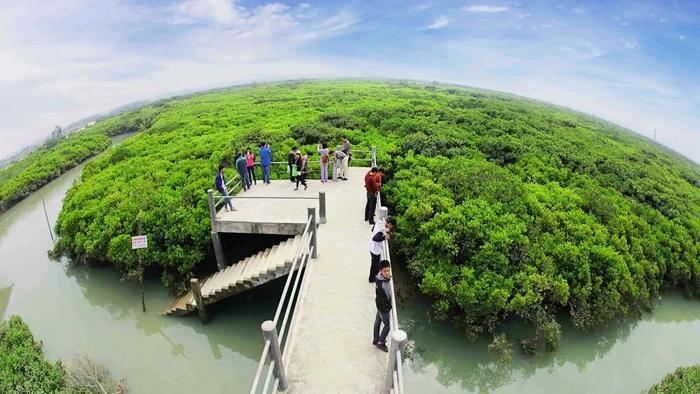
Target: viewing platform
x: 320, y: 337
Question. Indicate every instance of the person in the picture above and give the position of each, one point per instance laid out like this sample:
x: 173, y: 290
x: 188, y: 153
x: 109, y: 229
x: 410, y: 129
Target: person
x: 220, y: 184
x: 338, y: 157
x: 346, y: 160
x: 291, y: 162
x: 380, y: 232
x: 323, y: 151
x: 379, y: 176
x: 372, y: 188
x: 250, y: 164
x: 302, y: 169
x: 383, y: 302
x: 265, y: 161
x: 242, y: 168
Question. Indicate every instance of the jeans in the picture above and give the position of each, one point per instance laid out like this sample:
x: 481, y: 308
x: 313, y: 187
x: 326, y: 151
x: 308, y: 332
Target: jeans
x: 245, y: 181
x: 324, y: 172
x: 266, y: 173
x: 227, y: 199
x: 370, y: 207
x: 374, y: 266
x: 382, y: 317
x: 251, y: 175
x: 291, y: 177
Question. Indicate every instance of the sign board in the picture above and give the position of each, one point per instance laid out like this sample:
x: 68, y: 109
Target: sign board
x: 139, y: 242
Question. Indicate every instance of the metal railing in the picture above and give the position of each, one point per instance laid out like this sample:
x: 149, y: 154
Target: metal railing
x: 394, y: 378
x: 276, y: 332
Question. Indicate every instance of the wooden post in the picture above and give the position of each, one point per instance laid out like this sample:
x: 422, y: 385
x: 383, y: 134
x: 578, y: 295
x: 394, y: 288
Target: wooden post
x: 270, y: 334
x: 322, y: 207
x: 48, y: 223
x: 314, y: 239
x: 212, y: 207
x: 199, y: 300
x: 138, y: 254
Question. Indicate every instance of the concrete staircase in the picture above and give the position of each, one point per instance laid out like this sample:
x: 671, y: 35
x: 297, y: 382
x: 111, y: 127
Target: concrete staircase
x: 253, y: 271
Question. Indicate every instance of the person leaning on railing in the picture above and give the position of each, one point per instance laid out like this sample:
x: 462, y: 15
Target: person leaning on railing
x: 220, y: 185
x: 383, y: 302
x: 380, y: 233
x: 372, y: 188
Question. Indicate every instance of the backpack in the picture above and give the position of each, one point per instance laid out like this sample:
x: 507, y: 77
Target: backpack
x: 381, y: 300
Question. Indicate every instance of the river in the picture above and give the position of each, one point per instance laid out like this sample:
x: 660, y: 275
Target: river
x: 89, y: 311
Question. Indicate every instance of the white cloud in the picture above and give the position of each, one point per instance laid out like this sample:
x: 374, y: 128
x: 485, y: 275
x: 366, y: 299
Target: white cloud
x: 485, y: 9
x: 438, y: 23
x: 193, y: 11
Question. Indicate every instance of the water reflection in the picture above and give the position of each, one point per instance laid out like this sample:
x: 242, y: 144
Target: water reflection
x: 235, y: 323
x: 439, y: 352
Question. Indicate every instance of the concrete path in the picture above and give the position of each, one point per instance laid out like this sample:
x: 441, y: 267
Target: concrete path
x: 331, y: 350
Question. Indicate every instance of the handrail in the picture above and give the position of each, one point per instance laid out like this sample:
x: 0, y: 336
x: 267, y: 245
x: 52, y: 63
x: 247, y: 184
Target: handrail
x: 305, y: 251
x: 395, y: 381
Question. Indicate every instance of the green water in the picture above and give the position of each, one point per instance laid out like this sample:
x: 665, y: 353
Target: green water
x: 624, y: 358
x: 91, y: 312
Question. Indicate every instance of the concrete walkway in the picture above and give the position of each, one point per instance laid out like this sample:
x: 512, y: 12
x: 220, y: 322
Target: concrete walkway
x: 331, y: 350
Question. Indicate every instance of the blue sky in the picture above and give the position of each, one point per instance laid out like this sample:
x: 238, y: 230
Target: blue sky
x: 632, y: 62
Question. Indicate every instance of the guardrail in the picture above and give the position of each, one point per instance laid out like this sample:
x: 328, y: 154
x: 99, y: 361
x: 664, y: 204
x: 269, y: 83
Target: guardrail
x: 276, y: 333
x: 394, y: 378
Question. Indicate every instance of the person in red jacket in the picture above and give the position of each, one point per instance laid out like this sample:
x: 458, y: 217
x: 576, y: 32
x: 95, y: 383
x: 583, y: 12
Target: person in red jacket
x: 372, y: 189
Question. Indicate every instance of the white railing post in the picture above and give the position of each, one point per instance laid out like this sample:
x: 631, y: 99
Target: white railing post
x: 383, y: 213
x: 398, y: 342
x: 322, y: 207
x: 374, y: 156
x: 270, y: 334
x: 314, y: 239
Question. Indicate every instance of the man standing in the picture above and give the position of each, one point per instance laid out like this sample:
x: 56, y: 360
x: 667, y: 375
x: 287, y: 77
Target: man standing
x: 380, y: 233
x: 220, y: 184
x: 265, y: 161
x: 383, y: 301
x: 242, y: 167
x: 372, y: 189
x: 346, y: 160
x: 291, y: 162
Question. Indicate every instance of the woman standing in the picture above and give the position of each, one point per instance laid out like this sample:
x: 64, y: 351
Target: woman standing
x: 323, y: 151
x: 250, y: 163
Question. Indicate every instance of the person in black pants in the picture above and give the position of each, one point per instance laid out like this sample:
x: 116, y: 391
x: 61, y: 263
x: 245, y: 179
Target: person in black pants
x: 372, y: 189
x: 301, y: 167
x: 291, y: 162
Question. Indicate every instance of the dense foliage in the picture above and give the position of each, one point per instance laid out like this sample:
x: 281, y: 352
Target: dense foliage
x: 23, y: 368
x: 507, y: 207
x: 58, y: 155
x: 684, y: 380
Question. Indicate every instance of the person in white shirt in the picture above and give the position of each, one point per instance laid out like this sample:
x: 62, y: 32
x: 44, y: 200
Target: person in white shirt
x: 380, y: 232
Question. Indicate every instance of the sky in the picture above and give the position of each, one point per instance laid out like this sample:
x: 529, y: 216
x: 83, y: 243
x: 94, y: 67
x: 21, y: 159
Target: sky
x: 635, y: 63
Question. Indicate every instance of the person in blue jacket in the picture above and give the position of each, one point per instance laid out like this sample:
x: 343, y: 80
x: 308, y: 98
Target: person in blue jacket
x: 265, y: 155
x: 220, y: 184
x: 242, y: 167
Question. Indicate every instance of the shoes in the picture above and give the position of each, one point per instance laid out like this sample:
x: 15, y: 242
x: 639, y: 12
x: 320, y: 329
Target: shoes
x: 375, y: 343
x: 306, y: 187
x: 382, y: 347
x: 233, y: 209
x: 296, y: 188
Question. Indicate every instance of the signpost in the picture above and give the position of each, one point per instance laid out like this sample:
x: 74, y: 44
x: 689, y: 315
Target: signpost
x: 140, y: 242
